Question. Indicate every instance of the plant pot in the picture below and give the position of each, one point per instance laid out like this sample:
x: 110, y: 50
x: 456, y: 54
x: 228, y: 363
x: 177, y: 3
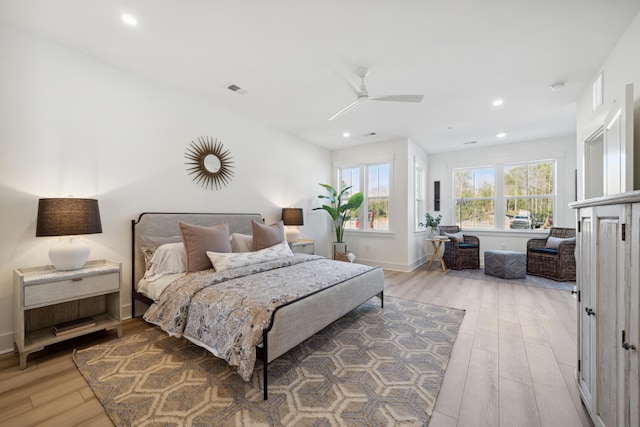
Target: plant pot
x: 340, y: 251
x: 432, y: 232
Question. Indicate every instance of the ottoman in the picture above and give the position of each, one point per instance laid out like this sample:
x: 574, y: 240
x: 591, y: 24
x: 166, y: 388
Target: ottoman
x: 505, y: 264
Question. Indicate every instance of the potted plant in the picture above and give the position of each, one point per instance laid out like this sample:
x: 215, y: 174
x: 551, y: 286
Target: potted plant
x: 341, y: 207
x: 431, y: 224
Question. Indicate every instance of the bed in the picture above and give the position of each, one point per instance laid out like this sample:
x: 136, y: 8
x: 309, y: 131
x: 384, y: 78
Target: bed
x: 281, y: 299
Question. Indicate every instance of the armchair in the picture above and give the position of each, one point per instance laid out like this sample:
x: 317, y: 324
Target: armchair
x: 460, y: 255
x: 553, y: 257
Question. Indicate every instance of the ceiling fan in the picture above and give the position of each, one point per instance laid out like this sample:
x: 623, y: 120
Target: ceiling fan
x: 362, y: 95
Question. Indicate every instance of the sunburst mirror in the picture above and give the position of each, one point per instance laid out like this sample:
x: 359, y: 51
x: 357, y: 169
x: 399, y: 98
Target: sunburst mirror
x: 209, y: 163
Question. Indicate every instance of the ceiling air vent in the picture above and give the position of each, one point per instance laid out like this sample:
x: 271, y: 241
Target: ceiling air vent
x: 237, y: 89
x: 470, y: 142
x: 370, y: 134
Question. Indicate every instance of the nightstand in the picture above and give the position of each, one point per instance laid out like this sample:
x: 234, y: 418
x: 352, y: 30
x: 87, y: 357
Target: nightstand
x: 303, y: 246
x: 45, y: 297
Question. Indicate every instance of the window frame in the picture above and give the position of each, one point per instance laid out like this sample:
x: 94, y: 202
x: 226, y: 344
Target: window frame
x: 362, y: 218
x: 500, y: 198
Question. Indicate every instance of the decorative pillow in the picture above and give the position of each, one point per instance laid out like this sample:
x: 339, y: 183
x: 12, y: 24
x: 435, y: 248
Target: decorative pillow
x: 265, y: 236
x: 225, y: 261
x: 198, y: 240
x: 149, y: 244
x: 554, y: 242
x: 241, y: 242
x: 455, y: 236
x: 167, y: 259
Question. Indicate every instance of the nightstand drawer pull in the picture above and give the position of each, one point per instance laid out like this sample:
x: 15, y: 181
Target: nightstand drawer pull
x: 76, y: 279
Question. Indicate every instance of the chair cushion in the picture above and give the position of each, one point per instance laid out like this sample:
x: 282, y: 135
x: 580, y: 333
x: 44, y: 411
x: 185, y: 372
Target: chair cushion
x: 467, y: 245
x: 545, y: 250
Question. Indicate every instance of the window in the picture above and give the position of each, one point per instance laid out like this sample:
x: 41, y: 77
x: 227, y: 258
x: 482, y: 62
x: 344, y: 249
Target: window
x: 475, y: 197
x: 524, y: 192
x: 529, y: 195
x: 351, y: 177
x: 375, y: 180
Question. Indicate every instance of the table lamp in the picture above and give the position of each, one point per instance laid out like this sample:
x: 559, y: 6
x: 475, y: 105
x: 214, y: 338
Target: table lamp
x: 68, y: 217
x: 292, y: 217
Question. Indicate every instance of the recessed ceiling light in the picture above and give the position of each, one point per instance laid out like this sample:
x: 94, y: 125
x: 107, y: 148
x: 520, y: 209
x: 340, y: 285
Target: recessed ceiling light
x: 129, y: 20
x: 501, y: 135
x: 557, y: 86
x: 498, y: 102
x: 346, y: 134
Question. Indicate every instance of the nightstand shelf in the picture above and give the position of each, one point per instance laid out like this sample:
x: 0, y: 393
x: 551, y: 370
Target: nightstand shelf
x: 45, y: 297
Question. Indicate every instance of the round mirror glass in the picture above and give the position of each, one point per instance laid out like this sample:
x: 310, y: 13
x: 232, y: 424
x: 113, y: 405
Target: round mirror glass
x: 212, y: 163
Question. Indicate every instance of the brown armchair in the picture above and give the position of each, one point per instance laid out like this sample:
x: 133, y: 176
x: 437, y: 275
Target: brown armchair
x: 557, y: 263
x: 460, y: 255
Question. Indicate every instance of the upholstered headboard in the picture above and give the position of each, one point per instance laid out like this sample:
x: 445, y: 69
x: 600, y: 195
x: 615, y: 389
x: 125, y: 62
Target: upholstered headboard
x: 160, y: 224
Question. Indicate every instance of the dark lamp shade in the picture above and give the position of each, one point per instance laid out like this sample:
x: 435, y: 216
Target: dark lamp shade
x: 292, y: 216
x: 68, y: 217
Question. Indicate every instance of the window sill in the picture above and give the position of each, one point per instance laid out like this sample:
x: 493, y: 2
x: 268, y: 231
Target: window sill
x: 370, y: 233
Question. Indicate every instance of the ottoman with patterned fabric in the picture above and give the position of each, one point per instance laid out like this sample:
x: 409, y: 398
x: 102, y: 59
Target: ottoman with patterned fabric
x: 505, y: 264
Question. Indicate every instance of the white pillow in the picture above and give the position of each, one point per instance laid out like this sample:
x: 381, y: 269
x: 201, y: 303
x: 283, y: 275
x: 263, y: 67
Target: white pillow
x: 167, y: 259
x: 455, y: 236
x: 222, y: 261
x: 241, y: 242
x: 554, y: 242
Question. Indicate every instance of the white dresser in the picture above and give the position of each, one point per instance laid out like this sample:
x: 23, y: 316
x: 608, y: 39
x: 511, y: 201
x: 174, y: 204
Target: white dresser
x: 608, y: 282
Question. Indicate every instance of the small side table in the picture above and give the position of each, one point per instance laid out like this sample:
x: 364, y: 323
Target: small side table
x: 437, y: 243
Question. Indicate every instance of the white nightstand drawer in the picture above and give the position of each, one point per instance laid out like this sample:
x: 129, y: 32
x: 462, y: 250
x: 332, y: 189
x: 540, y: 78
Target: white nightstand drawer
x: 303, y: 247
x: 65, y: 290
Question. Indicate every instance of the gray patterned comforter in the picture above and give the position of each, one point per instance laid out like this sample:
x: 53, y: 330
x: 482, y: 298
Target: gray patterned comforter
x: 226, y: 312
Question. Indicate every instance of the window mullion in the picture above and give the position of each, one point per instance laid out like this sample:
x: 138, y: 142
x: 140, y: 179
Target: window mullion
x: 499, y: 201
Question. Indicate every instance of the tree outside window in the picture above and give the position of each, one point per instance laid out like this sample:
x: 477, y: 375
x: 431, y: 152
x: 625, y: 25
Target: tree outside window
x: 529, y: 195
x: 475, y: 195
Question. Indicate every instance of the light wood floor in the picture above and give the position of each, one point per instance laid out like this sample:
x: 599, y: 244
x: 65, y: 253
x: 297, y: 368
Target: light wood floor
x: 513, y: 363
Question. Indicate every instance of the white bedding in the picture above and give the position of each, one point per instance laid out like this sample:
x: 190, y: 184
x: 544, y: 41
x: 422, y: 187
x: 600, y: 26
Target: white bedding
x: 153, y: 289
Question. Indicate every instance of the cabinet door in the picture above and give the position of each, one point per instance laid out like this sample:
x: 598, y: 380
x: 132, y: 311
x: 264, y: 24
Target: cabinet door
x: 610, y: 279
x: 634, y: 318
x: 587, y: 296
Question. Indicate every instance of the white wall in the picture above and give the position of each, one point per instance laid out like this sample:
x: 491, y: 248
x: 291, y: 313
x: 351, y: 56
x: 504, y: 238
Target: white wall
x: 561, y: 149
x: 70, y: 125
x: 620, y: 68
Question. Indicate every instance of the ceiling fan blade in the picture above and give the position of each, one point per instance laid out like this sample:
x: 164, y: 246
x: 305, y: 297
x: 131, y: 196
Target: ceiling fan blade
x: 344, y: 110
x: 398, y: 98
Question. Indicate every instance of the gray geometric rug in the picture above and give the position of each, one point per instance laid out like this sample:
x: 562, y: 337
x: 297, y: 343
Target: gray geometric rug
x: 536, y: 281
x: 374, y: 367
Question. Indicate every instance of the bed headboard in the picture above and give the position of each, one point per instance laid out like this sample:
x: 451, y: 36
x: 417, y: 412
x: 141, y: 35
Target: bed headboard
x: 163, y: 224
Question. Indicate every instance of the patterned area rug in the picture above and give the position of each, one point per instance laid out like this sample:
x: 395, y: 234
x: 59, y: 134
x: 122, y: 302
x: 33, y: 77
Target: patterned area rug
x: 371, y: 367
x: 538, y: 282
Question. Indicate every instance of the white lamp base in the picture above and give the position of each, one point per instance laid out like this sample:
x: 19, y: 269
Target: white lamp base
x: 292, y: 234
x: 69, y: 254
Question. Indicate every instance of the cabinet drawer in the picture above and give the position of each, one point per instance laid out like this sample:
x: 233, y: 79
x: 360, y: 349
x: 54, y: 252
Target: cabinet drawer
x: 65, y: 290
x: 304, y: 248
